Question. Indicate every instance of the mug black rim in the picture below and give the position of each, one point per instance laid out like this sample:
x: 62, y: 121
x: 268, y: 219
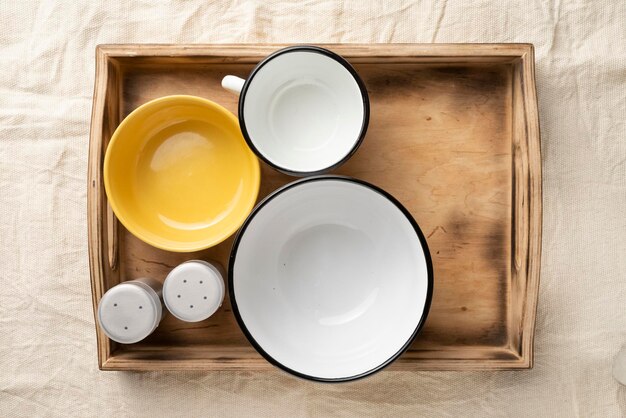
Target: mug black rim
x: 427, y: 257
x: 340, y: 60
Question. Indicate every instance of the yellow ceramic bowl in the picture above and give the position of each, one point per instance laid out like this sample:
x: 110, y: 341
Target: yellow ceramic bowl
x: 179, y: 175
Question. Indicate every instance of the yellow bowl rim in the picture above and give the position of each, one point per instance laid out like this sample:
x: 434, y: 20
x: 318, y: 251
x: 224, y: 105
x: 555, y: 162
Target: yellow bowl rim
x: 131, y: 226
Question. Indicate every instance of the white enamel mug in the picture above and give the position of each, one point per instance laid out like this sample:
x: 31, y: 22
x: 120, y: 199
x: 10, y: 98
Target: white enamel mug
x: 303, y: 110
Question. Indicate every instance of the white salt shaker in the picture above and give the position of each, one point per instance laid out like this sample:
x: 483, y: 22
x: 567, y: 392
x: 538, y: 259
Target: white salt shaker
x: 131, y: 311
x: 194, y: 290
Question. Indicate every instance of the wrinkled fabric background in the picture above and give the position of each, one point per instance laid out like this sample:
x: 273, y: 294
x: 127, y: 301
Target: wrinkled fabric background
x: 47, y: 339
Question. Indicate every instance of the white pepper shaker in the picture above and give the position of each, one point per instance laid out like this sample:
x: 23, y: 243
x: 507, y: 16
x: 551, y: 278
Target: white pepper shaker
x: 194, y: 290
x: 131, y: 311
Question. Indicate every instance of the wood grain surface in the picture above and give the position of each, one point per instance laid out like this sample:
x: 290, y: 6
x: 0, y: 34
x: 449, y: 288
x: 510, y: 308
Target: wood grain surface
x: 453, y: 135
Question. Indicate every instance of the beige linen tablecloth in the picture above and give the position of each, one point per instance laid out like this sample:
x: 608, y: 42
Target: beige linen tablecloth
x: 47, y: 339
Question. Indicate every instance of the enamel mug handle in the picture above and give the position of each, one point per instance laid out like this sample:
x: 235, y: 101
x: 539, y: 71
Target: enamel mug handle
x: 233, y: 84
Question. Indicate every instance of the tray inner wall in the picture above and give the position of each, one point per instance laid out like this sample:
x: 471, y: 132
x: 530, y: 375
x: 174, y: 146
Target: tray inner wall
x: 439, y: 140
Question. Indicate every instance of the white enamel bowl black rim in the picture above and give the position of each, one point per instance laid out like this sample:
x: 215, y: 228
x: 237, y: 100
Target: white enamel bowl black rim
x: 371, y: 314
x: 364, y: 99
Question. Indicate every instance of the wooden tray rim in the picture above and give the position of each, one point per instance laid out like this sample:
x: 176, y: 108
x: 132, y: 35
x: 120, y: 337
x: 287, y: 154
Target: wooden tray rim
x: 450, y: 53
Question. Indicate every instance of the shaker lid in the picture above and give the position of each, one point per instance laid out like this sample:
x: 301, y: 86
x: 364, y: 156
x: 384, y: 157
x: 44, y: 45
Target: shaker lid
x: 129, y: 312
x: 193, y: 291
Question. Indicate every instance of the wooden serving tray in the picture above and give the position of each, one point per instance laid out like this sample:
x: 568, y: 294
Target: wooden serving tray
x: 454, y: 135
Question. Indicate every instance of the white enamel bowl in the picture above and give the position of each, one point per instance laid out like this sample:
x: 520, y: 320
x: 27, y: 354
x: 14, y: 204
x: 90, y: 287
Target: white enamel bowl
x: 303, y: 110
x: 330, y: 278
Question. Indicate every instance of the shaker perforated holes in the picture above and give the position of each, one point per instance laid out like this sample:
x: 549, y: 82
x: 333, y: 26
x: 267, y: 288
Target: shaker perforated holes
x: 194, y: 290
